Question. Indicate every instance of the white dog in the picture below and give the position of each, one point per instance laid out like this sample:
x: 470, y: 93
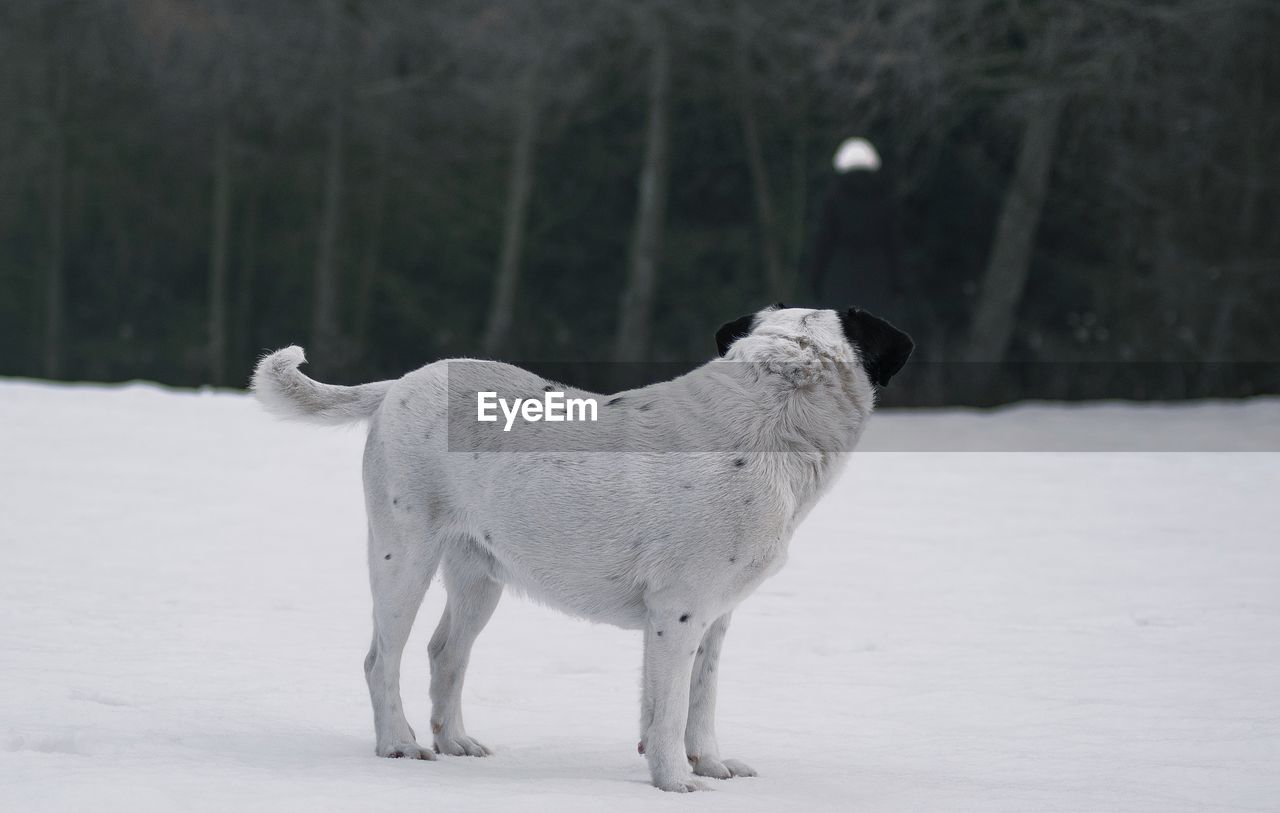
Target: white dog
x: 709, y: 475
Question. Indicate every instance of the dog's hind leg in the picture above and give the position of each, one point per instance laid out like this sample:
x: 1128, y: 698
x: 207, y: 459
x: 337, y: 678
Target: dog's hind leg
x: 700, y: 732
x: 398, y: 575
x: 473, y: 596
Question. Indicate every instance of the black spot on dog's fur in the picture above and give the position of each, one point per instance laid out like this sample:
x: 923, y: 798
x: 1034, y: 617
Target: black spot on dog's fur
x: 739, y: 462
x: 748, y: 500
x: 659, y: 633
x: 613, y: 401
x: 548, y: 388
x: 395, y: 500
x: 684, y: 618
x: 733, y: 559
x: 388, y: 556
x: 488, y: 537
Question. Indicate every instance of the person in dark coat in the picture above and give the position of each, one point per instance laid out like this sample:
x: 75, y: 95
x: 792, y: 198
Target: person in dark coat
x: 854, y: 256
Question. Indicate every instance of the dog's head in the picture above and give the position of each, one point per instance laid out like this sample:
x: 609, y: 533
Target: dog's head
x: 843, y: 336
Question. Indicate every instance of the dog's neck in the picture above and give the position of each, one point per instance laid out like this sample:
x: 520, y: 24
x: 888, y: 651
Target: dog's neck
x: 802, y: 405
x: 796, y: 395
x: 809, y: 405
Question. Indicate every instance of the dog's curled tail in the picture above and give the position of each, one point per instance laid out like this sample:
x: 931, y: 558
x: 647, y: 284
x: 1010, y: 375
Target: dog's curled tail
x: 286, y: 393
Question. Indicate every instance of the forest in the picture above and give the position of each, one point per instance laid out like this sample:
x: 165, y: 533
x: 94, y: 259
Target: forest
x: 1082, y: 195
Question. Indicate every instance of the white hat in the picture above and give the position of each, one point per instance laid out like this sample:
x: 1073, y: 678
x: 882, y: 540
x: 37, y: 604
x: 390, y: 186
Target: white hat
x: 856, y: 153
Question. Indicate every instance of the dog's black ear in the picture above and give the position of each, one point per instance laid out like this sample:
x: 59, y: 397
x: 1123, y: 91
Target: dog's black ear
x: 730, y: 332
x: 883, y: 348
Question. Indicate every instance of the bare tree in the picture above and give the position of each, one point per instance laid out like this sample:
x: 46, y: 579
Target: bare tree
x: 369, y: 266
x: 766, y: 212
x: 325, y: 327
x: 515, y: 219
x: 1006, y: 274
x: 246, y: 278
x: 631, y: 342
x: 219, y: 247
x: 1005, y: 277
x: 55, y: 295
x: 539, y: 45
x: 208, y: 45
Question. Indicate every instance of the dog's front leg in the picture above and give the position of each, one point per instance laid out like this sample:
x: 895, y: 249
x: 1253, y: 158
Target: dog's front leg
x: 669, y: 650
x: 700, y: 734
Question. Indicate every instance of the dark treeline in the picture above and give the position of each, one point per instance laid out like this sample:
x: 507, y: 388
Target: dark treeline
x: 185, y: 183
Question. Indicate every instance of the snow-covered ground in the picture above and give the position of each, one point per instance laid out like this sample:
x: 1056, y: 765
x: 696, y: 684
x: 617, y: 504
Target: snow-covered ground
x: 184, y: 613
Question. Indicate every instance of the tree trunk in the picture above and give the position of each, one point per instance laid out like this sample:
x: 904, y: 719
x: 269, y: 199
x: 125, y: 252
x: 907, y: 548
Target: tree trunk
x: 1235, y: 283
x: 799, y: 182
x: 519, y: 187
x: 219, y: 235
x: 324, y: 313
x: 636, y: 309
x: 766, y: 216
x: 1000, y: 292
x: 1005, y: 278
x: 247, y: 276
x: 373, y: 250
x: 54, y: 303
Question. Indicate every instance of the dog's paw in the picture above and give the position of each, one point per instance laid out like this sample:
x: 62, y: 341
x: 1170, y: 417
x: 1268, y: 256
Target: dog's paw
x: 461, y: 746
x: 720, y: 769
x: 405, y: 750
x: 680, y: 784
